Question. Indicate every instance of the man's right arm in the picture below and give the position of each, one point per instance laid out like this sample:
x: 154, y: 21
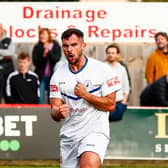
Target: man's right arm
x: 10, y: 97
x: 149, y: 72
x: 59, y: 111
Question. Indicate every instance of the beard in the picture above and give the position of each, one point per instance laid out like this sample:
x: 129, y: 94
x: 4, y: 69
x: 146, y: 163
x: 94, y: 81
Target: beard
x: 161, y: 46
x: 110, y: 60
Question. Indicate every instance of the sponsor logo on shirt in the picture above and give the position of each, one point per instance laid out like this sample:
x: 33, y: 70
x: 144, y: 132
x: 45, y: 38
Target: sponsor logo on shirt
x: 113, y: 81
x: 90, y: 145
x: 53, y: 88
x: 29, y: 80
x: 78, y: 110
x: 60, y: 83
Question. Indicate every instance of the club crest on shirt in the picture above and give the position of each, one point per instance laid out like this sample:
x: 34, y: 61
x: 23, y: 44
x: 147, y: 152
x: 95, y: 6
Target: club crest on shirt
x: 113, y: 81
x: 61, y: 83
x: 88, y: 84
x: 53, y: 88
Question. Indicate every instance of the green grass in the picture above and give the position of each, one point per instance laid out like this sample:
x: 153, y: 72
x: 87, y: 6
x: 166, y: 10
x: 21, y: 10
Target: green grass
x: 102, y: 167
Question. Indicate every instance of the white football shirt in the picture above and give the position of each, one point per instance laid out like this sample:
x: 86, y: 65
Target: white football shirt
x: 123, y: 77
x: 84, y: 118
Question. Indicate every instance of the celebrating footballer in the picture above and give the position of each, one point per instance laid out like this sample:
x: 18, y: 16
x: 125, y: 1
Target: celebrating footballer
x: 82, y: 92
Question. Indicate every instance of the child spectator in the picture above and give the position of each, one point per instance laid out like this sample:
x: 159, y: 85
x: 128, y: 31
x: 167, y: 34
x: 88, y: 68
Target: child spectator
x: 23, y: 84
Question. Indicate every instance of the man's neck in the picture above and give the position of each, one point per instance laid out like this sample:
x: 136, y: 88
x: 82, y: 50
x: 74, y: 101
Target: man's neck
x: 165, y: 50
x: 23, y: 71
x: 46, y: 43
x: 112, y: 63
x: 79, y: 64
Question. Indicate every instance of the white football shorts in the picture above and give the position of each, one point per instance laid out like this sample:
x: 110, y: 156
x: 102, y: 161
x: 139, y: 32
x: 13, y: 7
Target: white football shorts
x: 71, y: 151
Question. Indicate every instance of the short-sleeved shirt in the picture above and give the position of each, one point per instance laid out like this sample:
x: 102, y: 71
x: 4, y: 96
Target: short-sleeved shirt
x: 123, y: 77
x: 84, y: 118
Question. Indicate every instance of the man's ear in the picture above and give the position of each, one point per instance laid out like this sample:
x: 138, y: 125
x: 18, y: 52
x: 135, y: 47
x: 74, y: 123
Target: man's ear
x: 83, y: 45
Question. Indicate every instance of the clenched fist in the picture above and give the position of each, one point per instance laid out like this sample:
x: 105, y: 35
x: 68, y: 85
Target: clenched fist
x: 64, y: 110
x: 80, y: 90
x: 60, y: 113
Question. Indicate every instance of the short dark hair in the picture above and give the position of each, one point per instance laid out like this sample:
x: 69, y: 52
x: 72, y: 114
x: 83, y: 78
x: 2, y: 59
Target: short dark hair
x: 113, y: 46
x: 164, y: 34
x: 67, y: 33
x: 23, y: 55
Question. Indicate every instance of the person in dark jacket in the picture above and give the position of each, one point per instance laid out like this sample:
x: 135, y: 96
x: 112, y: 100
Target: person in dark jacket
x: 7, y: 52
x: 23, y: 84
x: 46, y: 53
x: 156, y: 93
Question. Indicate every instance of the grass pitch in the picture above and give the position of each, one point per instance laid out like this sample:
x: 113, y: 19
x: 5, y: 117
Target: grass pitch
x: 102, y: 167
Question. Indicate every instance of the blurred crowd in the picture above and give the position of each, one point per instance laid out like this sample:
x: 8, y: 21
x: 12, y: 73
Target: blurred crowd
x: 23, y: 86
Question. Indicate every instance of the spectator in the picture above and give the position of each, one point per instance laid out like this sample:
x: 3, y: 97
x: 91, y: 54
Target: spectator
x: 120, y: 60
x: 7, y: 51
x: 156, y: 93
x: 46, y: 54
x: 23, y: 85
x: 157, y: 63
x: 113, y: 53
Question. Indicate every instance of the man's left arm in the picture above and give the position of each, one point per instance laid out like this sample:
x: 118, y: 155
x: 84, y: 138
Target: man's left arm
x: 104, y: 103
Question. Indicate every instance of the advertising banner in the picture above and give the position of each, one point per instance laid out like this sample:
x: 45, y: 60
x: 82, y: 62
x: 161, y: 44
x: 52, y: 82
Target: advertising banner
x: 100, y: 22
x: 142, y: 134
x: 30, y: 133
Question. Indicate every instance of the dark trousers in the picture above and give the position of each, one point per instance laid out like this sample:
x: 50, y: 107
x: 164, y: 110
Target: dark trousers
x: 6, y: 67
x: 118, y: 113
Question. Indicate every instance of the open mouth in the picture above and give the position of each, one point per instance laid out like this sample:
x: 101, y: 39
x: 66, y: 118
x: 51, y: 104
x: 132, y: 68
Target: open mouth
x: 70, y: 55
